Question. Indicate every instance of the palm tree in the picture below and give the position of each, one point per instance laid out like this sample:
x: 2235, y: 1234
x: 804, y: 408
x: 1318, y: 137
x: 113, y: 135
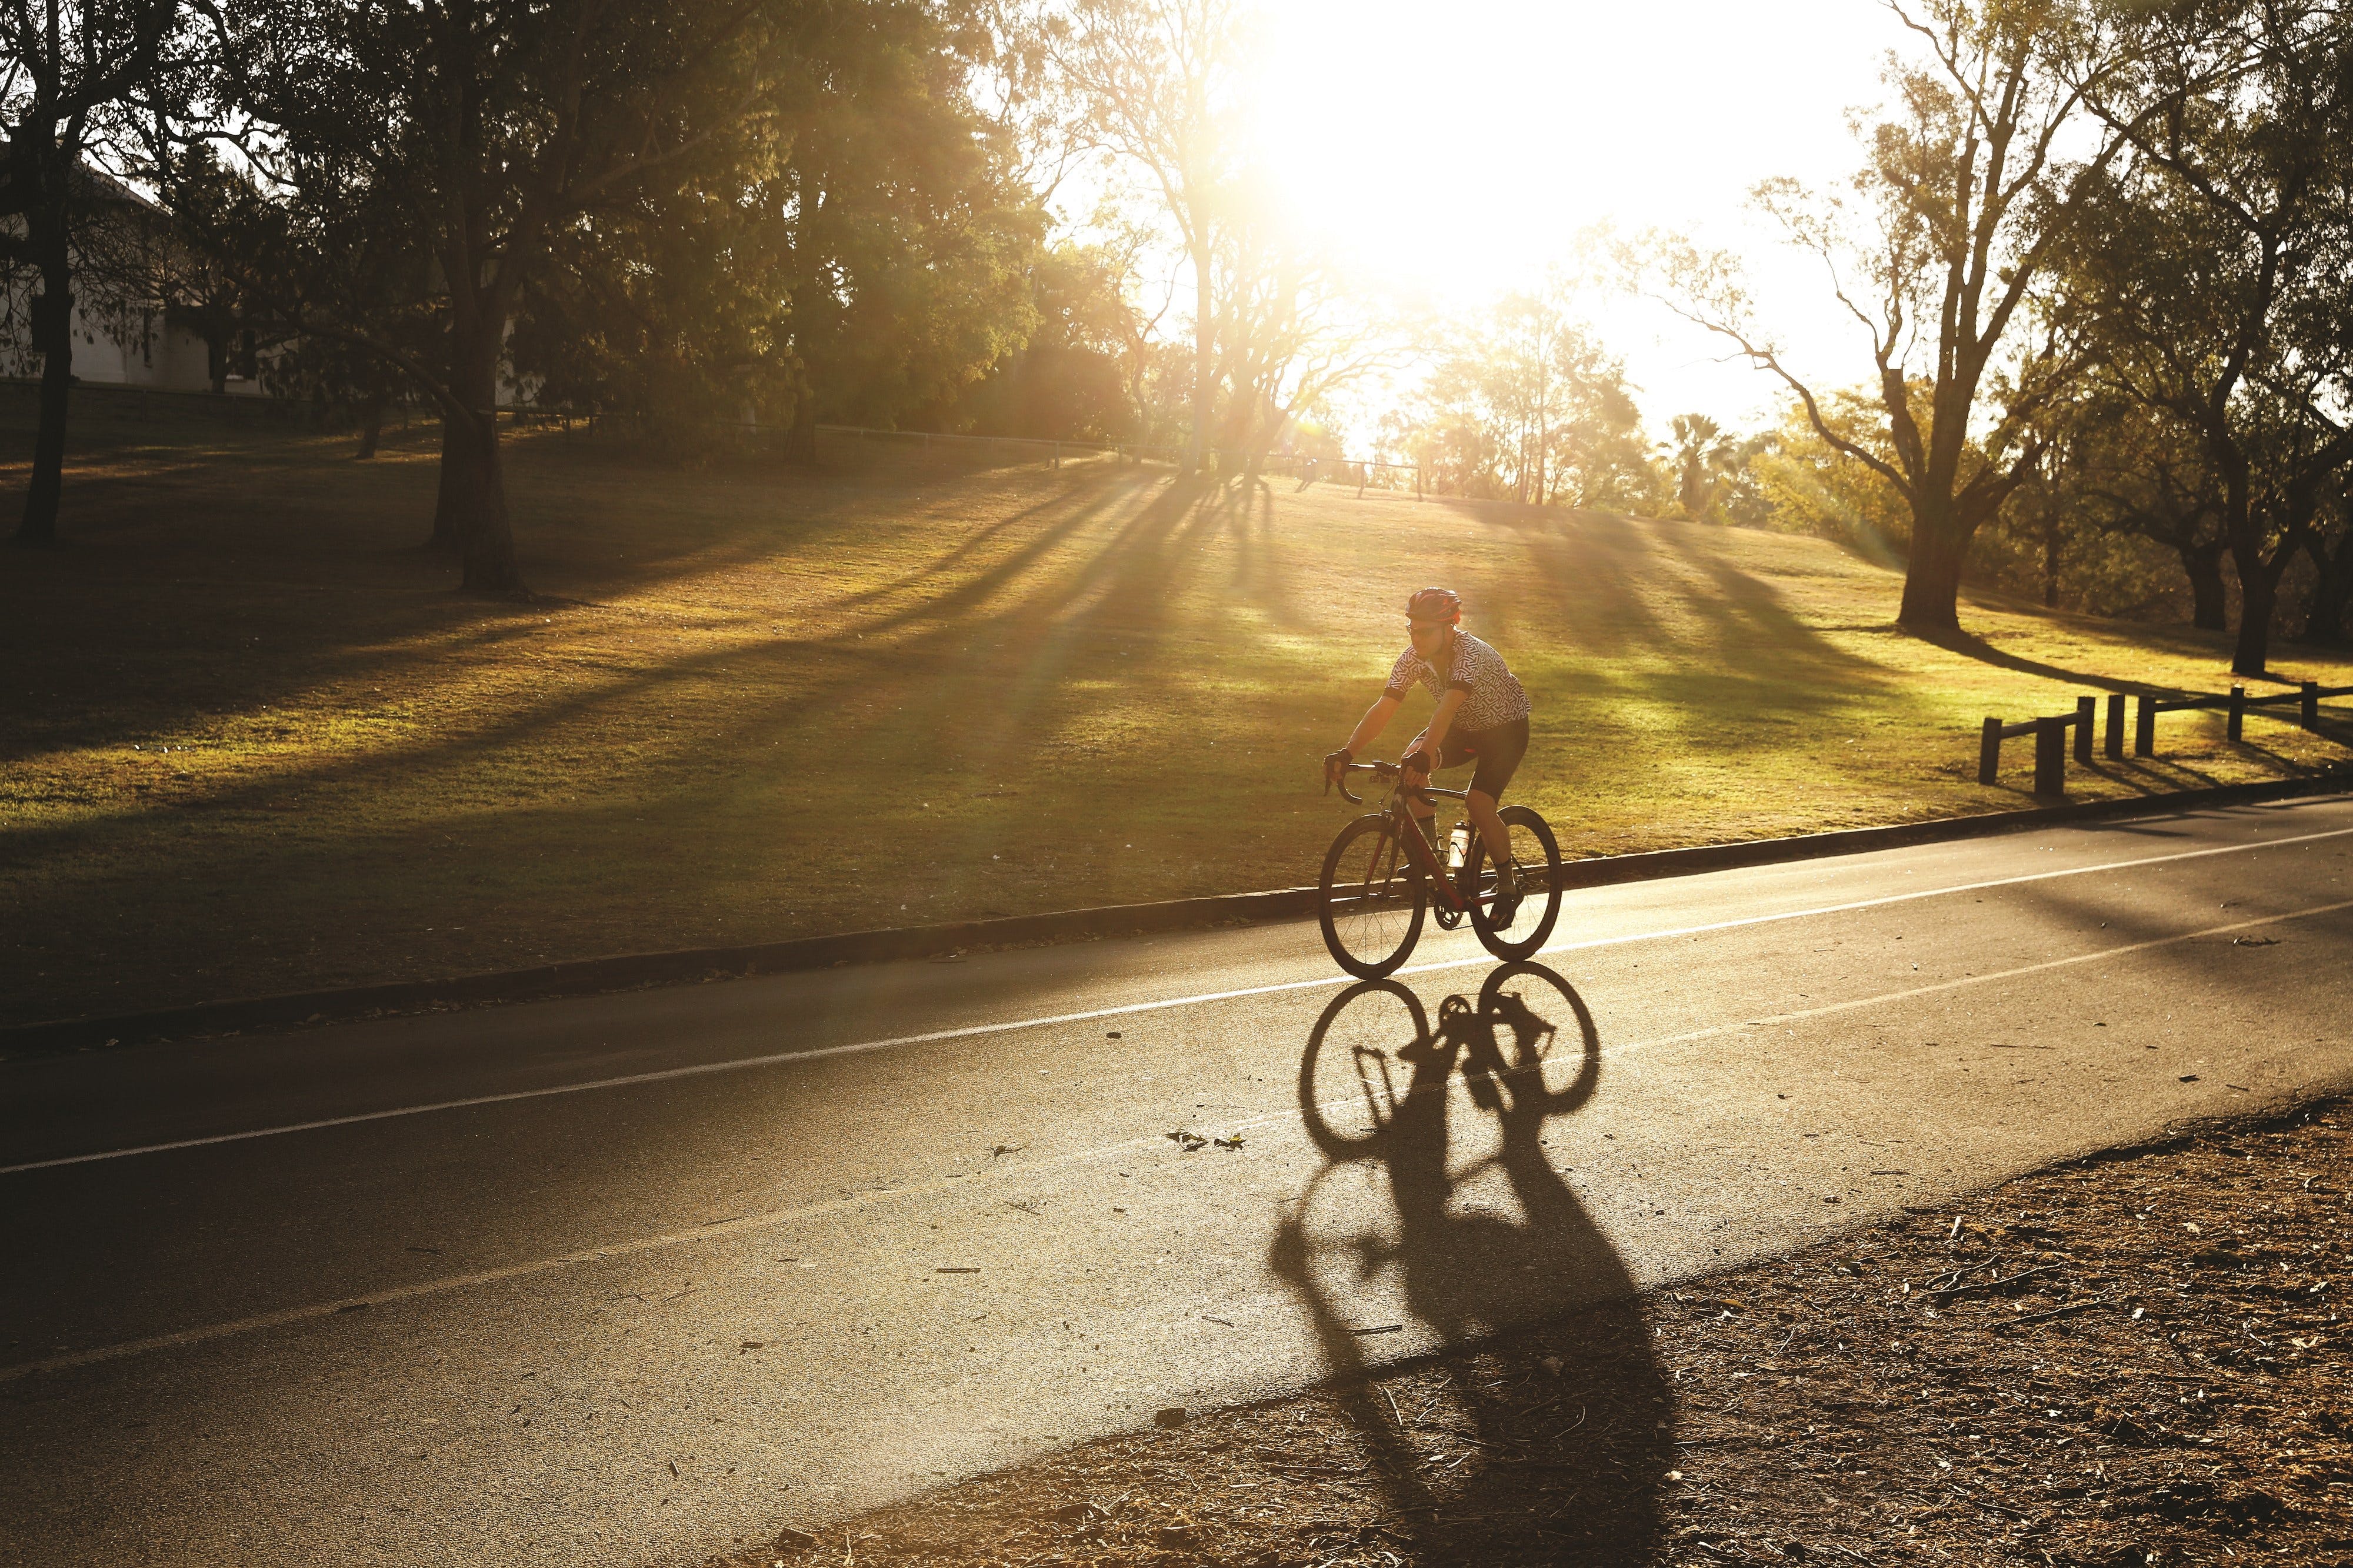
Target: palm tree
x: 1702, y: 458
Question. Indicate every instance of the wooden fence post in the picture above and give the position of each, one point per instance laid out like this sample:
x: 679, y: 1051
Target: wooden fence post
x: 2050, y: 756
x: 2086, y: 712
x: 1417, y: 481
x: 2309, y: 710
x: 2238, y: 711
x: 1989, y: 751
x: 2144, y: 726
x: 1058, y: 457
x: 2115, y: 747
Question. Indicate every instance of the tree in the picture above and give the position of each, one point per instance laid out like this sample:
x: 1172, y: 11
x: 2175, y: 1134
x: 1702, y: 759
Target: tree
x: 2217, y: 276
x: 2136, y: 472
x: 1291, y: 333
x: 1071, y: 380
x: 1703, y: 460
x: 472, y: 134
x: 861, y: 253
x: 69, y: 65
x: 1809, y: 485
x: 1964, y: 194
x: 906, y: 236
x: 1528, y: 407
x: 1159, y: 82
x: 2330, y: 545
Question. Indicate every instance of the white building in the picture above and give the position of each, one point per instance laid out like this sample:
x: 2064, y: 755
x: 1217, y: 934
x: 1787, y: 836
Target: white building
x: 120, y: 338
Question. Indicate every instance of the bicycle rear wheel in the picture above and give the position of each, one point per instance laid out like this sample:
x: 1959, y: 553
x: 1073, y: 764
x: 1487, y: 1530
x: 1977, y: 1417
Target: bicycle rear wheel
x: 1538, y: 858
x: 1369, y: 899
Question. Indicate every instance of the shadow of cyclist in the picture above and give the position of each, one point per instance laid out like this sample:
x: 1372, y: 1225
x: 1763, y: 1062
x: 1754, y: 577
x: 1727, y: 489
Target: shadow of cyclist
x: 1454, y: 1118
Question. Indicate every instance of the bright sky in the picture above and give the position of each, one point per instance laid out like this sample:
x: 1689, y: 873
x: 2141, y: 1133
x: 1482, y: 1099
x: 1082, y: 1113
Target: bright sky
x: 1455, y: 148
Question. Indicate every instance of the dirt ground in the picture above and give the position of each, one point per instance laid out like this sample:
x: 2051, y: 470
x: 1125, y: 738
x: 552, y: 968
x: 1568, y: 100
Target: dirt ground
x: 2133, y: 1360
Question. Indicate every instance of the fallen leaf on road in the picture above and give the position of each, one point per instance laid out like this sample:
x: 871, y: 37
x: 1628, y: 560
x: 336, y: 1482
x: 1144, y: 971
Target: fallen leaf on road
x: 957, y: 1269
x: 1186, y: 1141
x: 2254, y: 941
x: 1233, y: 1143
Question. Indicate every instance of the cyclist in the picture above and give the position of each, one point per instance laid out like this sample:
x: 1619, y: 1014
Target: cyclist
x: 1483, y: 716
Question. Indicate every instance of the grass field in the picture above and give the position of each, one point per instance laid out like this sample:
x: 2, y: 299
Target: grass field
x: 251, y: 740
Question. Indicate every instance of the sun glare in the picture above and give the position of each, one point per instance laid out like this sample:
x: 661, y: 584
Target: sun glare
x: 1453, y: 153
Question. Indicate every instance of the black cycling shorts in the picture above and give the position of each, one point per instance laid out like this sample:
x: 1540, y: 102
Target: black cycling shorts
x: 1497, y: 752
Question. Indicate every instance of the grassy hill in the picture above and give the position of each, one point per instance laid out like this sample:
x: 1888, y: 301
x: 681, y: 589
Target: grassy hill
x: 250, y: 740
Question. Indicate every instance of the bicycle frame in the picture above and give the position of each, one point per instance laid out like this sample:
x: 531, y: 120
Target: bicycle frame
x: 1419, y: 850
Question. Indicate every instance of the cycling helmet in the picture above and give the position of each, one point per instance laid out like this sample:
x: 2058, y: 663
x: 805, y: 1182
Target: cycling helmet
x: 1435, y: 605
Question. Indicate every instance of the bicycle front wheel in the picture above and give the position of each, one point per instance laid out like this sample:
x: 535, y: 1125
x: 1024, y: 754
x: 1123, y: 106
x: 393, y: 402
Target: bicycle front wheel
x: 1538, y: 859
x: 1369, y: 899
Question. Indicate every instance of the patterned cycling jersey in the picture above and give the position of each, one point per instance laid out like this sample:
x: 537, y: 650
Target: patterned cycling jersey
x: 1495, y: 694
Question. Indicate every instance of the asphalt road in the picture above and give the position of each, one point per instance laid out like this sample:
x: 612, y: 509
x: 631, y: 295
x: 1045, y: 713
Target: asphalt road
x: 638, y: 1279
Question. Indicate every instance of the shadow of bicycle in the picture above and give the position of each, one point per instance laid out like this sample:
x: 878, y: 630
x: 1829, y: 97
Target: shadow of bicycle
x: 1459, y: 1219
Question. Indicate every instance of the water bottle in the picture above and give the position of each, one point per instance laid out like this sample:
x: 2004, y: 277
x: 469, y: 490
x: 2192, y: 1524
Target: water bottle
x: 1458, y: 846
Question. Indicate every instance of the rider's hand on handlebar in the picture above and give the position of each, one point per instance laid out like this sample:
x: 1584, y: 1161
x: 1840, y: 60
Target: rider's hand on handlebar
x: 1336, y: 766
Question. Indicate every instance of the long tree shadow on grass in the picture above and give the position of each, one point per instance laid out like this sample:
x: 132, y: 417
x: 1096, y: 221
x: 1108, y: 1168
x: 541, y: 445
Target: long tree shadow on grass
x: 1018, y: 654
x: 1968, y: 644
x: 1380, y: 1086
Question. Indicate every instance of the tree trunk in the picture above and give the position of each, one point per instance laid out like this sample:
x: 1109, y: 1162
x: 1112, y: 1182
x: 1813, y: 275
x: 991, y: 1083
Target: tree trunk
x: 53, y: 335
x: 473, y: 492
x: 1204, y: 338
x: 446, y: 493
x: 2208, y: 598
x: 1932, y: 577
x: 2258, y: 594
x: 800, y: 436
x: 2332, y: 592
x: 2050, y: 563
x: 372, y: 421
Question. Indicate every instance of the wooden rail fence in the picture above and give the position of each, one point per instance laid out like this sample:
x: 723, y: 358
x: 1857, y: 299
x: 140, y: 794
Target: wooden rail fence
x: 2050, y: 732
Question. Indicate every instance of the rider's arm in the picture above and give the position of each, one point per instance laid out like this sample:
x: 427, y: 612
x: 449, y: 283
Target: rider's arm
x: 1376, y: 719
x: 1434, y: 738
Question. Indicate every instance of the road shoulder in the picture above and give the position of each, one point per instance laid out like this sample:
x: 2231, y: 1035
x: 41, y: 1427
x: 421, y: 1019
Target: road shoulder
x: 2135, y: 1358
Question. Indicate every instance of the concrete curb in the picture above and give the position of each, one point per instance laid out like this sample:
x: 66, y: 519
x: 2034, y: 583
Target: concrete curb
x: 631, y: 971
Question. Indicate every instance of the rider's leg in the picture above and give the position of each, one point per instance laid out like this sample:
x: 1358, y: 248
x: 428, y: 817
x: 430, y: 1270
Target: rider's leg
x: 1499, y: 752
x: 1423, y: 814
x: 1490, y: 824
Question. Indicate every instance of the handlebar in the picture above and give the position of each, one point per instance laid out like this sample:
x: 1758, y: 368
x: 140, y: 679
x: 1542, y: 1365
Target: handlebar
x: 1385, y: 770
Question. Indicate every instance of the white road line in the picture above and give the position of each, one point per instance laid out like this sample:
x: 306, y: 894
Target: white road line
x: 898, y: 1042
x: 777, y: 1217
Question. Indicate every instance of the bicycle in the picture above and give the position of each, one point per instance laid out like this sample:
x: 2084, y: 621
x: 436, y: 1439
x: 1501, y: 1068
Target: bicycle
x: 1382, y: 872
